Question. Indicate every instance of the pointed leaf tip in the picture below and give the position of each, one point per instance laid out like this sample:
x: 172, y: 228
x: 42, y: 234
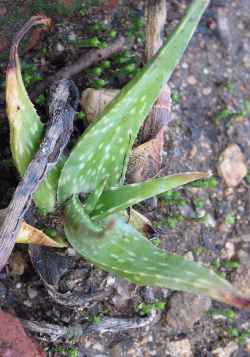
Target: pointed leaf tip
x: 103, y: 149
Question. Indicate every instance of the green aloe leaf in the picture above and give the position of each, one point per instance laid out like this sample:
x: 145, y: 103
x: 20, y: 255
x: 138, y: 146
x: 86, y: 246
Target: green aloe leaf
x: 94, y: 197
x: 26, y: 128
x: 126, y: 253
x: 118, y: 198
x: 103, y: 150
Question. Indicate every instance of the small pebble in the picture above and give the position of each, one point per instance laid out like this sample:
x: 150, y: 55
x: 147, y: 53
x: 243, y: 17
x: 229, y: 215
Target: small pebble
x: 229, y: 251
x: 72, y: 36
x: 71, y: 252
x: 3, y: 291
x: 231, y: 165
x: 32, y: 293
x: 17, y: 264
x: 193, y: 152
x: 181, y: 348
x: 185, y: 310
x: 59, y: 47
x: 192, y: 80
x: 246, y: 61
x: 241, y: 278
x: 227, y: 351
x: 206, y: 91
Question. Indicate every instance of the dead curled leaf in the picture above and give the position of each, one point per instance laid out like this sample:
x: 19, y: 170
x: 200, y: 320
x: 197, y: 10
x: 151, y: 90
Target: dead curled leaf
x: 159, y: 117
x: 139, y: 221
x: 145, y: 160
x: 36, y: 37
x: 94, y: 101
x: 31, y: 235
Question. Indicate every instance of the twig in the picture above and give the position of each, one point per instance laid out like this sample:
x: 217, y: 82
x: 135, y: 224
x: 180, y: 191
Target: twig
x: 64, y: 101
x: 87, y: 60
x: 108, y: 324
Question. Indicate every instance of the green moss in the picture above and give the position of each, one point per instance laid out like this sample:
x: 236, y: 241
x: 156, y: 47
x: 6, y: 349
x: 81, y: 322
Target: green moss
x: 31, y: 75
x: 247, y: 178
x: 230, y: 87
x: 231, y: 264
x: 230, y: 219
x: 199, y: 203
x: 174, y: 220
x: 40, y: 100
x: 211, y: 183
x: 224, y: 114
x: 229, y: 314
x: 175, y: 96
x: 81, y: 116
x: 156, y: 242
x: 146, y: 309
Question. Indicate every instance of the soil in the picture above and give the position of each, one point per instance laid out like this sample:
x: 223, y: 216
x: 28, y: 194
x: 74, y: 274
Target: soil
x: 210, y: 90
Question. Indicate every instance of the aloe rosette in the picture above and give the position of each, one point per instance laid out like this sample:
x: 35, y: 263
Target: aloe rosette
x: 97, y: 166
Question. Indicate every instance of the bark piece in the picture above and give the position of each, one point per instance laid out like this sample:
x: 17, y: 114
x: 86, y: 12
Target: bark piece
x: 87, y: 60
x: 156, y: 15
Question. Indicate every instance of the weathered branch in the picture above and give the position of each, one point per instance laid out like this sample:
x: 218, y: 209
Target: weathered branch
x: 107, y: 324
x: 87, y: 60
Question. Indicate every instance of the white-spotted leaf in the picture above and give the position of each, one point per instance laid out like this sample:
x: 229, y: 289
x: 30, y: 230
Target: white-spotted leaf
x: 126, y: 253
x: 103, y: 149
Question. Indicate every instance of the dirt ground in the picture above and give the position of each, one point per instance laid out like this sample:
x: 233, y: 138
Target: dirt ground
x: 211, y: 110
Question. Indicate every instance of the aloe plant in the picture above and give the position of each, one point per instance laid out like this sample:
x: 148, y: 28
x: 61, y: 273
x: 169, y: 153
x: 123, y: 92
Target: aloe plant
x: 97, y: 165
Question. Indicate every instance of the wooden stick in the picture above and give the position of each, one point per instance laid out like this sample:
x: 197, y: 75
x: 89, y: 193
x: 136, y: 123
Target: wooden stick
x: 89, y: 59
x: 64, y: 101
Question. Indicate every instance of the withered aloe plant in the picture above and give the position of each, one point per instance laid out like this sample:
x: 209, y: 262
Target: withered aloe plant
x: 96, y: 167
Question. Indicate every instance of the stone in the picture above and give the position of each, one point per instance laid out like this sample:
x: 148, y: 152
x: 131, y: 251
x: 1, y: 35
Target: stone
x: 229, y: 251
x: 59, y: 47
x: 17, y: 264
x: 241, y: 278
x: 32, y: 293
x: 14, y: 341
x: 192, y: 80
x: 246, y: 61
x: 231, y: 165
x: 181, y: 348
x: 123, y: 293
x: 185, y: 310
x: 227, y: 351
x: 239, y: 133
x: 206, y: 91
